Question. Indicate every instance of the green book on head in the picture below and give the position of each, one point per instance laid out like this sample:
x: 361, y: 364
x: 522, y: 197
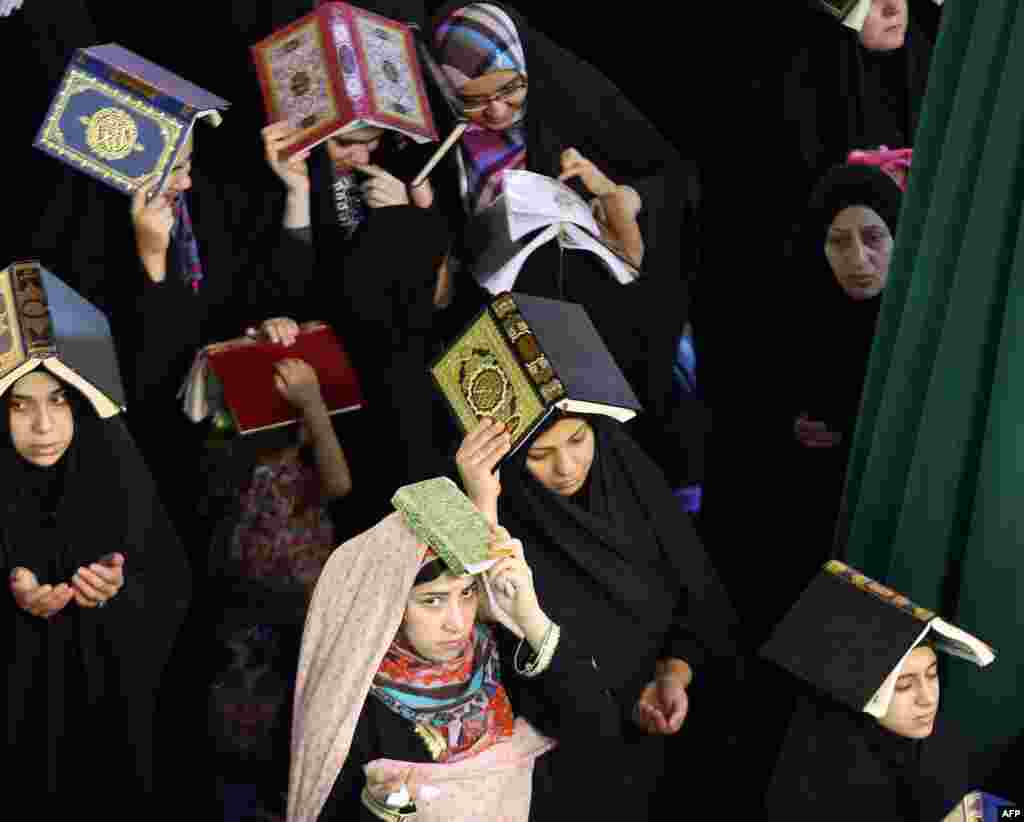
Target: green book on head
x: 445, y: 519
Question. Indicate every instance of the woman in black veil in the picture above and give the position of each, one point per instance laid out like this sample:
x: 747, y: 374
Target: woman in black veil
x: 82, y: 522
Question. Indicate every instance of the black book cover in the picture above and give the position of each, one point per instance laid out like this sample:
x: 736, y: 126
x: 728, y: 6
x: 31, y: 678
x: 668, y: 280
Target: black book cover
x: 843, y: 639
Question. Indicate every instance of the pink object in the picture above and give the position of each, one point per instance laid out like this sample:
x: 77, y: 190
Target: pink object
x: 495, y: 785
x: 893, y: 161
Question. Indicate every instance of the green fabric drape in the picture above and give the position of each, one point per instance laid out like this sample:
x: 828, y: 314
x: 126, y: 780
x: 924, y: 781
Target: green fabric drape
x: 935, y: 488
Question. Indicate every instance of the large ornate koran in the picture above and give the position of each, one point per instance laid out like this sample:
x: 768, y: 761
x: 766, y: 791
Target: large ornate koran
x: 120, y: 118
x: 341, y: 68
x: 46, y: 323
x: 521, y: 358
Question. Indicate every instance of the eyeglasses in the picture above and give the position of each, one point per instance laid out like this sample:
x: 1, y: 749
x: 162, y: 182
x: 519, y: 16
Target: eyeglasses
x: 476, y: 104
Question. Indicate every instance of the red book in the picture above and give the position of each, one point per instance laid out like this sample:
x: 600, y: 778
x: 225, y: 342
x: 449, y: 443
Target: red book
x: 245, y: 370
x: 342, y: 68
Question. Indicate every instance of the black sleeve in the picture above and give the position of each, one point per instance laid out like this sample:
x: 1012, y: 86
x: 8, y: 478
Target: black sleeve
x: 343, y: 804
x: 569, y: 700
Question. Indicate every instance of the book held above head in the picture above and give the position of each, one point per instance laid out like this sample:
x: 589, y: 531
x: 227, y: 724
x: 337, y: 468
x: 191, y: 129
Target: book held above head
x: 121, y: 118
x: 849, y: 636
x: 341, y: 69
x: 523, y: 357
x: 46, y: 323
x: 237, y: 377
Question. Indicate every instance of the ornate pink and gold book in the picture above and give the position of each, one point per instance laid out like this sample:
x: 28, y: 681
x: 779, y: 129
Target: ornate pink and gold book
x: 339, y: 69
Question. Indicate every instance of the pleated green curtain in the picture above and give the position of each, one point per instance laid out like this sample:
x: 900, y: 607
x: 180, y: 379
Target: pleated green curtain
x: 934, y: 500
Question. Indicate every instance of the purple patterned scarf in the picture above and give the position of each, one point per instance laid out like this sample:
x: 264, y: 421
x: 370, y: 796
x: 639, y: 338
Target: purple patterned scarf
x: 188, y: 248
x: 478, y: 39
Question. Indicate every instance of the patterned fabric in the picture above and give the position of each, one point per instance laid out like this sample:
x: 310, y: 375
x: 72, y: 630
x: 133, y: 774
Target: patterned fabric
x: 476, y: 40
x: 285, y: 532
x: 463, y: 699
x: 185, y: 242
x: 486, y: 156
x: 349, y: 201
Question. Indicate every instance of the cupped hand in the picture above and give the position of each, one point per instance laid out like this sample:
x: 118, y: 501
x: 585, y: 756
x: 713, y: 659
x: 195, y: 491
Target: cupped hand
x: 383, y: 189
x: 815, y: 434
x: 39, y: 600
x: 381, y: 790
x: 481, y: 450
x: 663, y: 705
x: 99, y: 582
x: 297, y: 382
x: 594, y: 180
x: 293, y: 172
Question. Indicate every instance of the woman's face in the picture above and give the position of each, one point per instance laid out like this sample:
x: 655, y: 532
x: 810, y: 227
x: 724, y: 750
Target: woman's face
x: 42, y: 425
x: 439, y: 618
x: 494, y: 100
x: 561, y: 457
x: 354, y: 148
x: 885, y: 26
x: 858, y: 246
x: 180, y: 179
x: 916, y: 698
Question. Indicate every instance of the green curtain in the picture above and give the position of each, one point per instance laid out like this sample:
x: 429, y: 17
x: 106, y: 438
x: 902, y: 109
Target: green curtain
x: 934, y: 500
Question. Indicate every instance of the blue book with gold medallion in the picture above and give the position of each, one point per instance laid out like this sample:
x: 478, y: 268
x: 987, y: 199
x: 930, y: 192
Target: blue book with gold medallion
x: 119, y: 117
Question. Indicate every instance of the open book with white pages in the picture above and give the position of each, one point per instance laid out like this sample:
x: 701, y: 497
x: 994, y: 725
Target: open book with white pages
x: 531, y: 202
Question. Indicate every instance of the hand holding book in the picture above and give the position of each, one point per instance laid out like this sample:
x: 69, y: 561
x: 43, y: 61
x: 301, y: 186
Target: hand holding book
x: 153, y: 219
x: 478, y: 455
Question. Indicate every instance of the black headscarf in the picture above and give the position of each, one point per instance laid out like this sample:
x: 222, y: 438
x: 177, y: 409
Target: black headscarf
x: 840, y: 764
x: 570, y: 103
x: 619, y: 564
x: 80, y: 685
x: 837, y: 334
x: 839, y: 96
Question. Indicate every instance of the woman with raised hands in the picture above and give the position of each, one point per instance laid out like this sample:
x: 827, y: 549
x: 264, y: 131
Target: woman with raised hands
x: 401, y: 702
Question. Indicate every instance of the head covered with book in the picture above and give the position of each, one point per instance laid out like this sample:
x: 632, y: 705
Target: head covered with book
x: 870, y: 717
x: 391, y: 621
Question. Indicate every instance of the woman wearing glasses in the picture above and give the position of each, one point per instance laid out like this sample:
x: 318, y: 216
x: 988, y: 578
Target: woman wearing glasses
x: 531, y: 105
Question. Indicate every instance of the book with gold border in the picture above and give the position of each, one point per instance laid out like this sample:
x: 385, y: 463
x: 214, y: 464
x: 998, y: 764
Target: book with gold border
x: 120, y: 118
x: 341, y: 68
x: 522, y: 358
x: 44, y: 323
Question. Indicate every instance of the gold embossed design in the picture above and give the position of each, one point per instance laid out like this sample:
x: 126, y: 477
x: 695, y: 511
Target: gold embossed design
x: 300, y: 83
x: 503, y: 306
x: 552, y: 391
x: 480, y: 374
x: 111, y: 133
x: 12, y: 353
x: 540, y: 370
x: 53, y: 138
x: 516, y: 327
x: 879, y: 591
x: 33, y: 309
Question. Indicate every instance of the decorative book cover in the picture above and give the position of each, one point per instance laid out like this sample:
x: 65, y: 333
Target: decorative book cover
x: 979, y: 806
x: 521, y: 358
x: 244, y: 369
x: 119, y: 118
x: 848, y: 635
x: 44, y: 322
x: 341, y: 68
x: 444, y: 518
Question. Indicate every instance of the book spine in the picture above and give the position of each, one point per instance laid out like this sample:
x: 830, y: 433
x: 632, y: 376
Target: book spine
x: 877, y: 590
x: 33, y: 310
x: 141, y: 89
x: 346, y: 62
x: 527, y: 350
